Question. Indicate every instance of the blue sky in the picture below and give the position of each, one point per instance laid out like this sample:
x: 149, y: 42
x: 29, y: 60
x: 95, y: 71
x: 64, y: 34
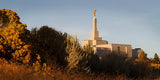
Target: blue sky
x: 135, y: 22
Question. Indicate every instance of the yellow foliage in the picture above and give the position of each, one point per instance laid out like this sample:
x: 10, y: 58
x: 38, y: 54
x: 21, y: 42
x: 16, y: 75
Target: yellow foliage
x: 13, y: 71
x: 15, y: 36
x: 38, y: 57
x: 36, y: 66
x: 155, y: 65
x: 2, y: 49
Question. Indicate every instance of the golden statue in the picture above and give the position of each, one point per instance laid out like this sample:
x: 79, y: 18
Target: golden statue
x: 94, y: 12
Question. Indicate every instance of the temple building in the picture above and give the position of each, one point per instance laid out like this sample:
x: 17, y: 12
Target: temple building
x: 136, y: 52
x: 102, y: 47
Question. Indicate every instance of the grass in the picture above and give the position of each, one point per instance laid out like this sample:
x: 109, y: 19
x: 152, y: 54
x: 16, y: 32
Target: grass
x: 13, y: 71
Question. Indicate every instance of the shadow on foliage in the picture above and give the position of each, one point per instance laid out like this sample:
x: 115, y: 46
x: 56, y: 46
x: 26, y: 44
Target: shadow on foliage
x: 49, y: 43
x: 117, y: 64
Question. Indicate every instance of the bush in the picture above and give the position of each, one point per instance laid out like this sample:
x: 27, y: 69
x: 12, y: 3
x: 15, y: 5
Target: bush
x: 15, y: 39
x: 120, y: 64
x: 50, y: 45
x: 79, y: 59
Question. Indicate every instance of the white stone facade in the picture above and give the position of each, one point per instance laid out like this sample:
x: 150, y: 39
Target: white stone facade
x: 137, y: 52
x: 101, y: 47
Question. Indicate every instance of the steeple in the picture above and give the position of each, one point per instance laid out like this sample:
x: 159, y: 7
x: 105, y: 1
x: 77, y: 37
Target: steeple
x: 94, y: 33
x: 94, y: 40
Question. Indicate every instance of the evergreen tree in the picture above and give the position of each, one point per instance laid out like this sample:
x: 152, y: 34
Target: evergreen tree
x: 156, y: 58
x: 49, y: 44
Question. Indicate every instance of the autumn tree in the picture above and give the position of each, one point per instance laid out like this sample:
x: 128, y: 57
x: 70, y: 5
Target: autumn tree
x: 143, y: 56
x: 15, y: 39
x: 5, y: 49
x: 156, y: 58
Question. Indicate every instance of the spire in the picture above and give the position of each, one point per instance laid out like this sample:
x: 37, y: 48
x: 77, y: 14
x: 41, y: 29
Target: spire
x: 94, y: 33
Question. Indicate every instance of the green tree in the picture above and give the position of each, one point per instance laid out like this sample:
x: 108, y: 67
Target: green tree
x: 49, y: 43
x: 156, y: 58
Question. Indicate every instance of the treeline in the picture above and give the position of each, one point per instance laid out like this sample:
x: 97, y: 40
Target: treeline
x: 48, y: 47
x: 44, y: 45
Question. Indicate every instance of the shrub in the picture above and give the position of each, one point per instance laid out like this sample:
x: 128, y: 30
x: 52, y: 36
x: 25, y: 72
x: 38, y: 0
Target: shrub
x: 120, y: 64
x: 79, y: 59
x: 15, y: 38
x: 50, y: 45
x: 156, y: 58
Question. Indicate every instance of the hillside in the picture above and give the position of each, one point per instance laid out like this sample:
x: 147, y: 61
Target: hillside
x: 46, y: 53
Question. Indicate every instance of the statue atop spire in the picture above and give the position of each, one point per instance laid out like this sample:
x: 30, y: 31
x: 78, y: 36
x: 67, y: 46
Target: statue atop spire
x: 95, y: 33
x: 94, y: 12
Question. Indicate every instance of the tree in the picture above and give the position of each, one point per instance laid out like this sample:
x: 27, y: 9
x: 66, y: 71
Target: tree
x: 81, y: 59
x: 145, y: 55
x: 49, y: 44
x: 74, y: 53
x: 142, y: 56
x: 15, y: 38
x: 92, y: 58
x: 156, y: 58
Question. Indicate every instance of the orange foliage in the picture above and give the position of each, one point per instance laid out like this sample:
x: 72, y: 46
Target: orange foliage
x: 142, y: 56
x: 15, y: 36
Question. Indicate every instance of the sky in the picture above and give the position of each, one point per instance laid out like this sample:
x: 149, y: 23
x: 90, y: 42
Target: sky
x: 134, y: 22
